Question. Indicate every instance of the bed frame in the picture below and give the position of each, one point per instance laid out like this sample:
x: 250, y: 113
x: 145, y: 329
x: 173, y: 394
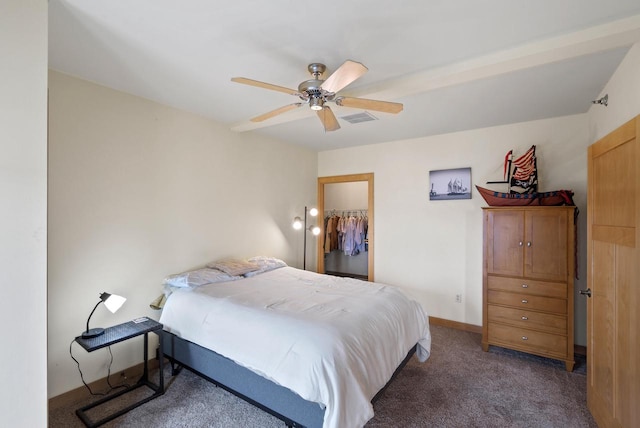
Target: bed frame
x: 277, y: 400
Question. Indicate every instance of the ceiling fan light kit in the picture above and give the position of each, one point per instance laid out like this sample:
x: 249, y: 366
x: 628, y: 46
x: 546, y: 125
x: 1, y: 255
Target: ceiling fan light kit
x: 316, y: 103
x: 317, y: 92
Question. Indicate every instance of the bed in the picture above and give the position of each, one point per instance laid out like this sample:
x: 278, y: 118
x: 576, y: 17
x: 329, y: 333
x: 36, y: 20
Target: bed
x: 314, y: 350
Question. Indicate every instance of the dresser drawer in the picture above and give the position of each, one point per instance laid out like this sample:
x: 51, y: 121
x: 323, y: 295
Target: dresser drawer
x: 521, y: 285
x: 526, y: 301
x: 528, y: 319
x: 528, y: 340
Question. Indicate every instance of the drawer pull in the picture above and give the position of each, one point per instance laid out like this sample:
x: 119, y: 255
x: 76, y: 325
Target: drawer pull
x: 525, y: 318
x: 525, y: 286
x: 525, y: 301
x: 525, y: 338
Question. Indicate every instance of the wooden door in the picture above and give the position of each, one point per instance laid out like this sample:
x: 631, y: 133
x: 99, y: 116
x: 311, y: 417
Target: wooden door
x: 505, y: 234
x: 613, y: 373
x: 546, y: 244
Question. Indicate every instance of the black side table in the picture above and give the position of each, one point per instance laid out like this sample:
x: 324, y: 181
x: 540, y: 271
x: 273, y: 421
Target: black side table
x: 114, y: 335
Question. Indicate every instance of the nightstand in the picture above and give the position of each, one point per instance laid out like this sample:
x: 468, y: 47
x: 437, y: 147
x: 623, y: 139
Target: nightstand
x: 114, y: 335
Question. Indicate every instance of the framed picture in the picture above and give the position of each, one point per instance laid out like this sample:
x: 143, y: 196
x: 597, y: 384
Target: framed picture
x: 448, y: 184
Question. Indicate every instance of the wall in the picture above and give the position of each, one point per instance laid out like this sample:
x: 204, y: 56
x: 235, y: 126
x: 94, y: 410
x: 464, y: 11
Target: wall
x: 624, y: 97
x: 138, y: 191
x: 23, y: 216
x: 433, y: 249
x: 421, y: 245
x: 346, y: 196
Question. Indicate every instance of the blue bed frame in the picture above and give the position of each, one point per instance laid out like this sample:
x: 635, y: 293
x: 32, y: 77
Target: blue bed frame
x: 277, y: 400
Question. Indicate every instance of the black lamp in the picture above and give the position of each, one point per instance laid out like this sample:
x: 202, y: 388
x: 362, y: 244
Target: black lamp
x: 113, y: 302
x: 297, y: 224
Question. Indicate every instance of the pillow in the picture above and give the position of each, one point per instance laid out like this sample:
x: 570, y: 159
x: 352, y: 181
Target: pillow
x: 234, y: 266
x: 266, y: 264
x: 195, y: 278
x: 267, y: 261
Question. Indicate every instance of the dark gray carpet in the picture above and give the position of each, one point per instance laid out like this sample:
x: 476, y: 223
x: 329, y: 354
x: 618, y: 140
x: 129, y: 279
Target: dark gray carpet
x: 459, y: 386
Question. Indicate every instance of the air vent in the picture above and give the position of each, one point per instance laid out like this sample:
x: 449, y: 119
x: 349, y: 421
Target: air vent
x: 359, y: 117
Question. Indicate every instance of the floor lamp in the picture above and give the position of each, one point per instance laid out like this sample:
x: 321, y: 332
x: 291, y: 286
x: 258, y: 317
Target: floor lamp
x: 298, y: 224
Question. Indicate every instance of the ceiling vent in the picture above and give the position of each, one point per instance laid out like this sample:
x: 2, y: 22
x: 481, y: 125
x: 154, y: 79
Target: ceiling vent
x: 359, y: 117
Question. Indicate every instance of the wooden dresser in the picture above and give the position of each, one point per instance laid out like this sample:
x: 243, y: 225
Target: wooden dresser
x: 527, y: 285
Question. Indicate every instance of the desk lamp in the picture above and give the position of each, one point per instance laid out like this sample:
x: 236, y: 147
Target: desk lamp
x: 113, y: 302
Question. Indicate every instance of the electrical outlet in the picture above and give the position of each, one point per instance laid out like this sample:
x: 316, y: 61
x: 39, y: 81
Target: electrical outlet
x: 458, y: 298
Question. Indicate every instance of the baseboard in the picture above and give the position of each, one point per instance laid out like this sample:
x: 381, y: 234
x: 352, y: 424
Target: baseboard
x: 577, y: 349
x: 132, y: 374
x: 455, y: 325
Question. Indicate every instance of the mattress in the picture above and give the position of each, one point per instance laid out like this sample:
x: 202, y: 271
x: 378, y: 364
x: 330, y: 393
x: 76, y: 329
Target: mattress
x: 334, y: 341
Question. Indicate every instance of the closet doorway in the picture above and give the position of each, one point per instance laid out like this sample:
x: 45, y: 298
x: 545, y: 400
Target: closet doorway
x: 336, y: 197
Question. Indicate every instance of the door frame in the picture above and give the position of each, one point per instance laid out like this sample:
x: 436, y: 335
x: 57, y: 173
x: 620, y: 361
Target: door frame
x: 368, y: 177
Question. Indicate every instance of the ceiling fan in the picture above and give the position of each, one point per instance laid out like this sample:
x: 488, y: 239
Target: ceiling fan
x: 317, y: 93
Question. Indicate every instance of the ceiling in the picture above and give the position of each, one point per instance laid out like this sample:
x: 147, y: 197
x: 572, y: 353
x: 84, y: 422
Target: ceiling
x: 455, y: 65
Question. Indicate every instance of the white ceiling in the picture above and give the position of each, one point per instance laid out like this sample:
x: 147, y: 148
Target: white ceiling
x: 455, y: 65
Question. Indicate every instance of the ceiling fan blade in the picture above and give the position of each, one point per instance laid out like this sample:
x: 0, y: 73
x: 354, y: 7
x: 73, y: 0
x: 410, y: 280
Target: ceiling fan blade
x: 365, y: 104
x: 328, y: 119
x: 345, y: 74
x: 276, y: 112
x: 264, y: 85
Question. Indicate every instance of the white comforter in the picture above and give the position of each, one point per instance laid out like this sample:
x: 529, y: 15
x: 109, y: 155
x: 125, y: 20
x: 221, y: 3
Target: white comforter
x: 334, y: 341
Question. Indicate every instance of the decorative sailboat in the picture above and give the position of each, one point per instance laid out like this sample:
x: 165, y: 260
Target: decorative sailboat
x: 455, y: 187
x: 523, y: 185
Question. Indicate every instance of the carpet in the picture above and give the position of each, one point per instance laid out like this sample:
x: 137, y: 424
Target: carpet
x: 459, y: 386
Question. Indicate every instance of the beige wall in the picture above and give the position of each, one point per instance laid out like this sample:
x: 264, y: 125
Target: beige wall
x: 138, y: 191
x: 434, y: 249
x: 346, y: 196
x: 23, y: 212
x: 624, y: 97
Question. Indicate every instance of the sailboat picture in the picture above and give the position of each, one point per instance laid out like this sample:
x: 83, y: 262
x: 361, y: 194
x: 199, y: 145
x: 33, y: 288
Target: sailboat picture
x: 450, y: 184
x: 521, y: 177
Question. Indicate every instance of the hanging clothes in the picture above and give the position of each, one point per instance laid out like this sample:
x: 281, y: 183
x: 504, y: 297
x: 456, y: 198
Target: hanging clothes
x: 349, y: 246
x: 331, y: 233
x: 346, y: 232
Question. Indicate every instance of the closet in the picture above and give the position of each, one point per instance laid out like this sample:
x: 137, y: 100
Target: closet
x: 345, y: 245
x: 346, y: 240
